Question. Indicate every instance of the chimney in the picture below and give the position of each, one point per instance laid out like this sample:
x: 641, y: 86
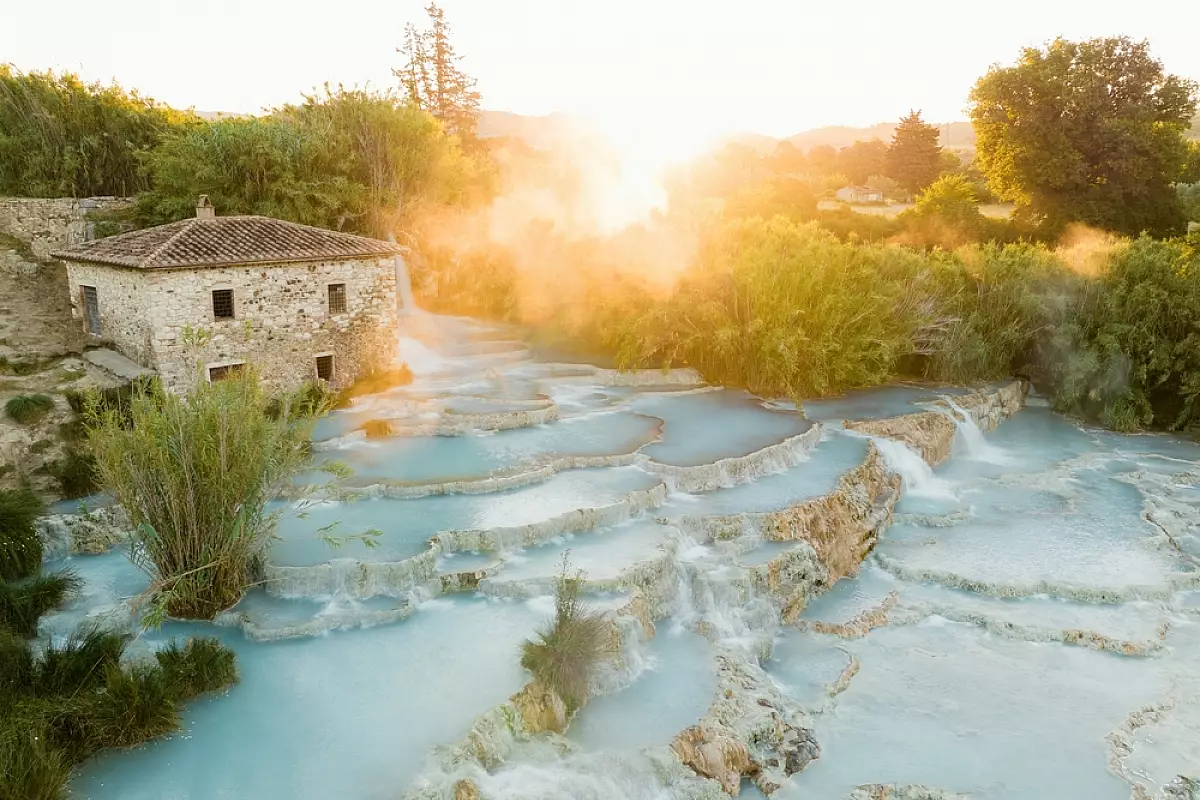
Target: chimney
x: 204, y: 208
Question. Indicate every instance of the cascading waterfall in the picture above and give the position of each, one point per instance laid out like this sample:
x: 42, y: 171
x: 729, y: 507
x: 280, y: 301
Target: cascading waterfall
x: 975, y: 445
x: 919, y: 478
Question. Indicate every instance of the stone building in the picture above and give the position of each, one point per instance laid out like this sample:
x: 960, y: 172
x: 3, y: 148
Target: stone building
x: 202, y: 297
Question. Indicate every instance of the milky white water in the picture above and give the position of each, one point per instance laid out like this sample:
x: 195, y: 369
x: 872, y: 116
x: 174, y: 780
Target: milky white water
x: 1036, y: 589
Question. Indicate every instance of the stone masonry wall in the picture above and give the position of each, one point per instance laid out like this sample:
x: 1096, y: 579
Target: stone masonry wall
x: 47, y: 224
x: 281, y: 320
x: 124, y: 301
x: 35, y: 305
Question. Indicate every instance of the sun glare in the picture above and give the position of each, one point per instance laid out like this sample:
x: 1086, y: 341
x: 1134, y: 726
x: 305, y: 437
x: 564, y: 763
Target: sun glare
x: 645, y: 143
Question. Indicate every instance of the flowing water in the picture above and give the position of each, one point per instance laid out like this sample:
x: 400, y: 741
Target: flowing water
x: 1031, y: 595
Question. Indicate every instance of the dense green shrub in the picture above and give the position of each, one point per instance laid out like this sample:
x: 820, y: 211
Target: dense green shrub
x: 60, y: 137
x: 28, y: 409
x: 566, y: 652
x: 1132, y: 358
x: 195, y: 473
x: 786, y: 309
x: 20, y: 545
x: 198, y: 667
x: 1003, y: 302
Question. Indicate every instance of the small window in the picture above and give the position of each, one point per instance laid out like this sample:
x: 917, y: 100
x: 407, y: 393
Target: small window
x: 337, y: 298
x: 325, y: 368
x: 223, y: 303
x: 91, y: 309
x: 226, y: 371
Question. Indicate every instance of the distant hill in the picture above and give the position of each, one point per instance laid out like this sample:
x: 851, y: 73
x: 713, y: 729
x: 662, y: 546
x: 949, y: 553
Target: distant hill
x: 954, y: 135
x: 544, y: 131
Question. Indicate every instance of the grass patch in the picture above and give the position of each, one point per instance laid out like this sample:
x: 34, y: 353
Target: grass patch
x: 26, y: 366
x: 20, y: 545
x: 22, y: 603
x: 566, y: 652
x: 198, y: 667
x: 28, y: 409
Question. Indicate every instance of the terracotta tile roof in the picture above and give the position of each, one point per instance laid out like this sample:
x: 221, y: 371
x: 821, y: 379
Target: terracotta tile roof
x: 222, y: 241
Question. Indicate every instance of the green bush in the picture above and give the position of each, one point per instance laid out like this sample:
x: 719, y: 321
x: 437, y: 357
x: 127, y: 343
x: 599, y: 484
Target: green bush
x: 195, y: 473
x: 785, y: 309
x: 65, y: 138
x: 200, y: 666
x: 567, y: 651
x: 22, y: 603
x: 1131, y: 355
x: 28, y: 409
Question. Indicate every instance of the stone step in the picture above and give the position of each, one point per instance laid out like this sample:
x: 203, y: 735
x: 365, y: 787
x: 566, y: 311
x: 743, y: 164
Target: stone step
x: 116, y: 364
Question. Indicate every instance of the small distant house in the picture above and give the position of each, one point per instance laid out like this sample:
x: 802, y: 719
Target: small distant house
x: 859, y: 194
x: 298, y: 302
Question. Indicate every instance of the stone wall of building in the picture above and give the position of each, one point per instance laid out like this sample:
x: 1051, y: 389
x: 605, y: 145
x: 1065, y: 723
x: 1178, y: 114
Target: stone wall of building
x: 48, y: 224
x: 281, y: 319
x: 124, y: 302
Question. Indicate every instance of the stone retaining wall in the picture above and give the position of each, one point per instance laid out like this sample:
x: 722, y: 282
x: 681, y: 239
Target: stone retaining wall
x: 49, y: 224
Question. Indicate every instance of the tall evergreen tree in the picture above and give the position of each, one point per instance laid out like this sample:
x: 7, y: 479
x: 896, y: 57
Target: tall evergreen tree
x: 914, y: 158
x: 431, y: 76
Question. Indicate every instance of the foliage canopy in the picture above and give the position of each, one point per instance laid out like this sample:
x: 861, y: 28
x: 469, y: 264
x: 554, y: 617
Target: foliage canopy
x: 1086, y: 131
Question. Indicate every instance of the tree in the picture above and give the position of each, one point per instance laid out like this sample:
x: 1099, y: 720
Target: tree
x: 823, y: 160
x: 862, y: 159
x: 1089, y: 131
x: 432, y: 79
x: 347, y: 160
x: 914, y: 160
x: 1191, y: 164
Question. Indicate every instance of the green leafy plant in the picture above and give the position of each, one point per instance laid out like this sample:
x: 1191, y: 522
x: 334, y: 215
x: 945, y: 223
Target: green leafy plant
x: 28, y: 409
x: 195, y: 473
x: 566, y: 652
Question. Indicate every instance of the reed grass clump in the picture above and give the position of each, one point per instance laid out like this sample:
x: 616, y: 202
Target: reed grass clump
x: 195, y: 473
x: 20, y: 545
x: 566, y: 652
x: 22, y: 603
x: 197, y: 667
x: 28, y: 409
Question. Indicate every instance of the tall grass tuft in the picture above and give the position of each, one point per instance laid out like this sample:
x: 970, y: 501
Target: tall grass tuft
x: 198, y: 667
x: 135, y: 706
x: 79, y: 664
x: 31, y: 766
x: 28, y: 409
x: 20, y: 545
x: 22, y: 603
x: 195, y: 473
x: 566, y: 652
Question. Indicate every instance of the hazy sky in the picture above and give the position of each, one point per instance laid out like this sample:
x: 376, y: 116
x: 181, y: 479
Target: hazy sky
x: 771, y: 66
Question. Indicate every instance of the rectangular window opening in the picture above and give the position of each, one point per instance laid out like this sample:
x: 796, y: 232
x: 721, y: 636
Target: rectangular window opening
x: 222, y: 303
x: 337, y: 298
x: 325, y: 368
x: 226, y: 371
x: 91, y: 309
